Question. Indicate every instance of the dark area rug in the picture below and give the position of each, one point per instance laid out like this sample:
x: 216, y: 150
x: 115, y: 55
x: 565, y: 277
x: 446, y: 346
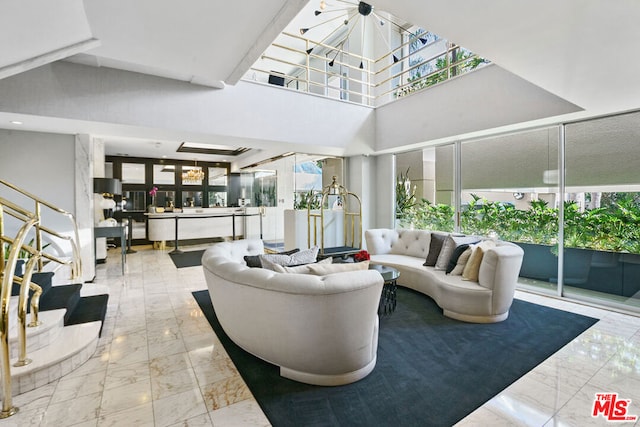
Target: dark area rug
x: 187, y: 259
x: 431, y: 370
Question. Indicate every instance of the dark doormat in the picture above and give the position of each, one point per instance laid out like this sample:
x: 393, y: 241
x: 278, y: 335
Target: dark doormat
x: 431, y: 370
x: 187, y: 259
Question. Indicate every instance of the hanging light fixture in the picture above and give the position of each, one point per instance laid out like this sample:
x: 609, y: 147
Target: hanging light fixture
x: 194, y: 175
x: 349, y: 19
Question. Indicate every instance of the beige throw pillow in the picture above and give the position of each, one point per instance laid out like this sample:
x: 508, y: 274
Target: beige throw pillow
x: 302, y: 269
x: 324, y: 269
x: 471, y: 271
x: 462, y: 262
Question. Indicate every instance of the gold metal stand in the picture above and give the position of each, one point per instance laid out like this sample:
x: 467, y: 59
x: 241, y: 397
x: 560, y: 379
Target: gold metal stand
x: 352, y: 218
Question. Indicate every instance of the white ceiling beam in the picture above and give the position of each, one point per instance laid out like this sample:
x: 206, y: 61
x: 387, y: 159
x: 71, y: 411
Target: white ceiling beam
x: 46, y: 58
x: 272, y: 30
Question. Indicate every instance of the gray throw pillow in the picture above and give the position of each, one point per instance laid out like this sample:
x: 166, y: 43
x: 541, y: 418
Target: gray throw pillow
x: 253, y: 261
x: 435, y: 245
x: 449, y: 246
x: 302, y: 257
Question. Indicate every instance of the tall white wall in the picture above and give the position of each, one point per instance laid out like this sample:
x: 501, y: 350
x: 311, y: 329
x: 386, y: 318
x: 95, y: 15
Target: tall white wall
x: 483, y: 99
x: 42, y: 164
x: 57, y: 169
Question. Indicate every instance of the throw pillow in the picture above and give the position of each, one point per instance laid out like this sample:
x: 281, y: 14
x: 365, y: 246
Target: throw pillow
x: 270, y: 265
x: 302, y: 257
x: 324, y: 269
x: 449, y: 246
x: 471, y: 271
x: 462, y: 262
x: 304, y: 268
x: 305, y: 257
x: 435, y: 245
x: 253, y: 261
x: 455, y: 256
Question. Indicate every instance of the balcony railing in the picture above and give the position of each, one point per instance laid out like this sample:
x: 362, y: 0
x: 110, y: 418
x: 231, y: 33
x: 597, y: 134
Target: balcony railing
x: 334, y: 73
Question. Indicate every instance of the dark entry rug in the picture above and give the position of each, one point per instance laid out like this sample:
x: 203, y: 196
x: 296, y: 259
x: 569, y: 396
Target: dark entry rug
x: 431, y: 370
x: 187, y: 259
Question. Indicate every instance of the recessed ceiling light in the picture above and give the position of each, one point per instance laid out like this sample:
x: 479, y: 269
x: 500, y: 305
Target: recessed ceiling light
x: 16, y: 122
x: 164, y: 156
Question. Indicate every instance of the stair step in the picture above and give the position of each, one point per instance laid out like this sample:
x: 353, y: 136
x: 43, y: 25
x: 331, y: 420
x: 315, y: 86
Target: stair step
x: 64, y: 296
x: 44, y: 280
x: 89, y: 309
x: 40, y: 336
x: 75, y: 345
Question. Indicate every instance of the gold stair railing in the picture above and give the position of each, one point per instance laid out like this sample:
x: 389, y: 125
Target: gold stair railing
x: 10, y: 248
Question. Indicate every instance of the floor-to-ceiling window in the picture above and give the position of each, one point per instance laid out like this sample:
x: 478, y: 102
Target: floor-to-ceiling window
x: 425, y: 196
x: 509, y: 188
x: 568, y: 194
x: 602, y: 210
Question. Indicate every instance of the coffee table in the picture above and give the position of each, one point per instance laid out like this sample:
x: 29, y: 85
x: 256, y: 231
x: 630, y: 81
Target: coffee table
x: 388, y: 298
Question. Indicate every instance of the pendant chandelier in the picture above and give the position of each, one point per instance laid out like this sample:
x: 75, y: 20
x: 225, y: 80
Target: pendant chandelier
x: 194, y: 175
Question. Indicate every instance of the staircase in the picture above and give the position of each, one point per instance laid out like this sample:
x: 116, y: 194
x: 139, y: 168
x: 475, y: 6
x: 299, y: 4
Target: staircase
x: 40, y: 343
x: 71, y: 325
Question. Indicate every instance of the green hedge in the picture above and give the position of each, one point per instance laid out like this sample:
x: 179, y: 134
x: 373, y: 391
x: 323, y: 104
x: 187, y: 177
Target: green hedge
x: 615, y: 227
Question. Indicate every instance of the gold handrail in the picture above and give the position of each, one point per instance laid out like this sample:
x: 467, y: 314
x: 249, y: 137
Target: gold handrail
x: 31, y: 220
x: 5, y: 293
x: 76, y: 262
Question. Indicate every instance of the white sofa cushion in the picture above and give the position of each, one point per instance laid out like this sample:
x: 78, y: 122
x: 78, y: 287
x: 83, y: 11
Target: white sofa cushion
x: 381, y: 241
x: 412, y: 242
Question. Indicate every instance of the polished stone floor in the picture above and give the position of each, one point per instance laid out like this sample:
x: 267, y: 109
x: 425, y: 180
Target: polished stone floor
x: 159, y: 363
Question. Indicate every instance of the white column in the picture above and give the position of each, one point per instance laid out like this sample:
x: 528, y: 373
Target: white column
x: 84, y: 207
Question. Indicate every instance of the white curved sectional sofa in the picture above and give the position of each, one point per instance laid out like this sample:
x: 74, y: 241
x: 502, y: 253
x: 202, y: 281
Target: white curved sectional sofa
x: 486, y: 300
x: 320, y: 330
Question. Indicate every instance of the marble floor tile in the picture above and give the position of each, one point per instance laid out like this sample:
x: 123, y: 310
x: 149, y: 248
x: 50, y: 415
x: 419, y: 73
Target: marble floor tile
x: 246, y: 413
x: 128, y: 396
x: 225, y: 392
x: 79, y: 410
x: 34, y: 399
x: 139, y: 416
x: 178, y: 408
x: 202, y: 420
x: 69, y: 388
x: 164, y: 365
x: 173, y: 383
x: 578, y: 412
x: 166, y: 347
x: 118, y: 376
